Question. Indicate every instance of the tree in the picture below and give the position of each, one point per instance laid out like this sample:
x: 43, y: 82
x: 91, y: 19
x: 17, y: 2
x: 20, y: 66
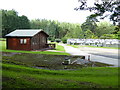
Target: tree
x: 89, y: 34
x: 116, y: 30
x: 74, y: 31
x: 35, y: 24
x: 89, y: 24
x: 23, y: 22
x: 11, y: 21
x: 77, y: 31
x: 103, y: 9
x: 64, y: 28
x: 109, y: 36
x: 58, y: 30
x: 104, y: 28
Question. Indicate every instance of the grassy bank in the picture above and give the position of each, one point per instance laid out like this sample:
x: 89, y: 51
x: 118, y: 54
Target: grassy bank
x: 16, y: 76
x: 59, y: 48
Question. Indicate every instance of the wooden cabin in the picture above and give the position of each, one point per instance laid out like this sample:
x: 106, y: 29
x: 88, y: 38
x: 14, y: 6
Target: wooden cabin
x: 27, y: 39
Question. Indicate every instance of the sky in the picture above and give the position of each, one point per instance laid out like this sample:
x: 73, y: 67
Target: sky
x: 61, y: 10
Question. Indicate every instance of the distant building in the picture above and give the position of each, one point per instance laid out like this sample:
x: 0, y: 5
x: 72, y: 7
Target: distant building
x: 27, y: 39
x: 95, y: 42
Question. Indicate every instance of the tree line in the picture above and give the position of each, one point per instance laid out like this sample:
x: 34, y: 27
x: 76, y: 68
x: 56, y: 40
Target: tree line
x: 59, y: 30
x: 11, y: 21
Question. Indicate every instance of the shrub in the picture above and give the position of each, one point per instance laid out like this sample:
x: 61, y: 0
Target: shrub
x: 57, y: 40
x: 64, y: 40
x: 52, y: 39
x: 109, y: 36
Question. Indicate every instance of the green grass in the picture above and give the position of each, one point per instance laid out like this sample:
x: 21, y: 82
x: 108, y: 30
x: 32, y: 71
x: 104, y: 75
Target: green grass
x: 58, y: 47
x: 16, y: 76
x: 77, y: 46
x: 17, y: 72
x: 2, y: 39
x: 37, y: 52
x: 3, y: 45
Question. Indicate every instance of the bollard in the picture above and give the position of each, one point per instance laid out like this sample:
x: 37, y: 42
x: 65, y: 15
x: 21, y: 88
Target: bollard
x: 65, y: 67
x: 88, y: 57
x: 66, y: 62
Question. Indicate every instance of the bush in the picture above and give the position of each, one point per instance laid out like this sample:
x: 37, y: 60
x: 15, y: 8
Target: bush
x: 109, y: 36
x: 64, y: 40
x: 52, y: 39
x: 57, y: 40
x: 2, y: 39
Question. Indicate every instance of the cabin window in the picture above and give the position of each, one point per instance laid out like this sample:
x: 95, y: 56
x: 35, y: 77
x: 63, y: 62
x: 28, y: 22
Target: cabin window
x: 23, y: 41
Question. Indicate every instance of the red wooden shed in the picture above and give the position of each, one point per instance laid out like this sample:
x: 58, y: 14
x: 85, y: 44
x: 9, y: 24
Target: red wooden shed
x: 27, y: 39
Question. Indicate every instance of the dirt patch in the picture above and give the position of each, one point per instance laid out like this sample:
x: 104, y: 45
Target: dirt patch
x: 43, y: 61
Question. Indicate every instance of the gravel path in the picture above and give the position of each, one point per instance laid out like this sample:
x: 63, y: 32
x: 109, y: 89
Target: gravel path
x: 100, y: 50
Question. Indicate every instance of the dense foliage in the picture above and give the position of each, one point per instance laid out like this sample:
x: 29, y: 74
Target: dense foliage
x: 59, y: 30
x: 11, y: 21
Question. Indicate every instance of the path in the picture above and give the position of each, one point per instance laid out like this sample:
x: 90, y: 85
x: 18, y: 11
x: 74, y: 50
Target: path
x: 94, y: 57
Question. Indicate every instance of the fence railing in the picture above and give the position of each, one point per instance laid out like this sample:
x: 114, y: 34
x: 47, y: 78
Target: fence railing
x: 52, y: 46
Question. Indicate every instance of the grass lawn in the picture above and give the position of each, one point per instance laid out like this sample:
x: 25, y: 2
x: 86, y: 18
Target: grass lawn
x: 17, y: 76
x: 77, y: 46
x: 18, y: 72
x: 2, y: 39
x: 3, y: 45
x: 58, y: 47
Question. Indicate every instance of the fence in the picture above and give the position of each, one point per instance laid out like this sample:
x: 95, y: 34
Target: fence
x: 52, y: 46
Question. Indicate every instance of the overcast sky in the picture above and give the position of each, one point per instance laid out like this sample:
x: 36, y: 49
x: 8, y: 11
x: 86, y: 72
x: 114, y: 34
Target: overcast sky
x: 61, y: 10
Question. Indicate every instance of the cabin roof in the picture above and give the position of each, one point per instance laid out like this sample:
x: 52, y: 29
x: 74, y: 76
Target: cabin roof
x: 25, y: 33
